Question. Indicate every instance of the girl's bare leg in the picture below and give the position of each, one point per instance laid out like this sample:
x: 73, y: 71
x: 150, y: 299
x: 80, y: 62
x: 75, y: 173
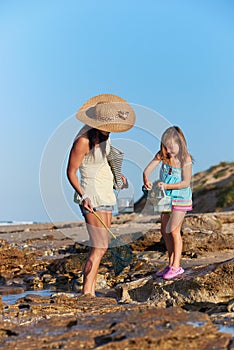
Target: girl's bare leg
x: 173, y: 229
x: 99, y: 240
x: 167, y: 237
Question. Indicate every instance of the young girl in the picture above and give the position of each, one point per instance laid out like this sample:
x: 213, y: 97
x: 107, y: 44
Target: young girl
x: 175, y: 178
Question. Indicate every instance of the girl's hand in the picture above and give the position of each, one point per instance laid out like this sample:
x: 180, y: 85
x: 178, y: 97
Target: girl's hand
x: 161, y: 185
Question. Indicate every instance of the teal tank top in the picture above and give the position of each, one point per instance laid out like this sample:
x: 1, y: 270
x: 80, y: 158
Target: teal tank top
x: 171, y: 175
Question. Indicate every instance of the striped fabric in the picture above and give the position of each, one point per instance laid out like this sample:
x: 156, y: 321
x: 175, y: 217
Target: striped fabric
x: 115, y: 160
x: 182, y: 204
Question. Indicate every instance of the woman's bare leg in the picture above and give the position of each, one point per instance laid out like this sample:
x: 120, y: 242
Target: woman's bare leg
x: 99, y: 239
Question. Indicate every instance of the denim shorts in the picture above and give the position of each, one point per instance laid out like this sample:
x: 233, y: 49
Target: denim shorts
x: 100, y: 208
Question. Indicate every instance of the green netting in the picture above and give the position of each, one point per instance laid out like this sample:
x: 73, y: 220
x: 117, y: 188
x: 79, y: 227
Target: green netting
x: 121, y: 255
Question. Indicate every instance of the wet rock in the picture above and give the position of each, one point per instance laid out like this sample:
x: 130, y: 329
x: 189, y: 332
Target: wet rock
x: 73, y: 263
x: 1, y: 303
x: 200, y: 288
x: 101, y: 282
x: 206, y: 241
x: 203, y: 222
x: 230, y: 306
x: 7, y: 290
x: 201, y: 233
x: 48, y: 279
x: 133, y: 310
x: 121, y: 328
x: 151, y: 240
x: 226, y: 217
x: 139, y: 290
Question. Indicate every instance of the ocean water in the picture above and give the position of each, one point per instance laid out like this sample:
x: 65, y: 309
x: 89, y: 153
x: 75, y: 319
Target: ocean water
x: 9, y: 222
x: 221, y: 328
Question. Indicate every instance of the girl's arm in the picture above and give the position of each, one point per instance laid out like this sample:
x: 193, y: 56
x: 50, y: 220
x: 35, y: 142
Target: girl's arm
x: 79, y: 149
x: 186, y: 177
x: 148, y: 170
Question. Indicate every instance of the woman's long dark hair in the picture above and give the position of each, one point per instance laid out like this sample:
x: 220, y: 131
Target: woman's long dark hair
x: 95, y: 136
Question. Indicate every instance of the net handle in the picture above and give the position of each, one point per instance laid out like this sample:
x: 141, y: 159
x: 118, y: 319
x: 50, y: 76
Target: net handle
x: 103, y: 223
x: 163, y: 191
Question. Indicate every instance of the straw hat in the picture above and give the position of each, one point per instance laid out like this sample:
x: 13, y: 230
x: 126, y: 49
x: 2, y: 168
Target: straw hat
x: 107, y: 112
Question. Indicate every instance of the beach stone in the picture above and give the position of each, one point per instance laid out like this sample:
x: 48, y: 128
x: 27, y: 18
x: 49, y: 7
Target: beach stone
x: 225, y: 217
x: 199, y: 288
x: 126, y: 328
x: 7, y: 290
x: 230, y: 306
x: 203, y: 221
x: 72, y: 263
x: 139, y: 290
x: 202, y: 241
x: 1, y: 303
x: 206, y: 285
x: 133, y: 310
x: 101, y: 282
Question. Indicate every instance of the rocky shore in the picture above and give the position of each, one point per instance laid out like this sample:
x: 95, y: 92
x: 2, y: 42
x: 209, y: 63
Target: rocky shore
x: 41, y: 276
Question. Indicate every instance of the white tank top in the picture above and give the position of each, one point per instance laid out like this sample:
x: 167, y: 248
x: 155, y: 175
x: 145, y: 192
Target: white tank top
x: 96, y: 177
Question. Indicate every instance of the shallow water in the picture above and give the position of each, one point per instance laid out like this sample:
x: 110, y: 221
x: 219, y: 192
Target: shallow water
x: 196, y: 324
x: 221, y: 328
x: 226, y: 329
x: 10, y: 299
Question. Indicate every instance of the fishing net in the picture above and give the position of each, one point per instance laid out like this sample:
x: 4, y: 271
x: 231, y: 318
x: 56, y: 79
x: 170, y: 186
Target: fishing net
x: 121, y: 255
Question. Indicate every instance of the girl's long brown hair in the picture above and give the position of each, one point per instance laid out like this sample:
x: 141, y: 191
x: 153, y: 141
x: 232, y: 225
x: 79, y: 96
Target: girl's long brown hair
x: 176, y: 134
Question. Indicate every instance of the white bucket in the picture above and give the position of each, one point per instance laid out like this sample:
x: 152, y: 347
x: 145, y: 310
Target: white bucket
x: 163, y: 203
x: 125, y: 200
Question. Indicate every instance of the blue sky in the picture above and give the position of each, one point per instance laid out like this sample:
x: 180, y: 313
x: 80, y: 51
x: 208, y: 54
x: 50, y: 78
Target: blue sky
x: 172, y: 57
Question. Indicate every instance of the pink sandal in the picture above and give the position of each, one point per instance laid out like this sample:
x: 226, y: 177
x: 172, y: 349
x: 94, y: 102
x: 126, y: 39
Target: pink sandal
x: 162, y: 272
x: 173, y: 272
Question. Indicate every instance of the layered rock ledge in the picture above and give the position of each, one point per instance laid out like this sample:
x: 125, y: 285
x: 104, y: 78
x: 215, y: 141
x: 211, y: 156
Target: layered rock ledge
x: 134, y: 310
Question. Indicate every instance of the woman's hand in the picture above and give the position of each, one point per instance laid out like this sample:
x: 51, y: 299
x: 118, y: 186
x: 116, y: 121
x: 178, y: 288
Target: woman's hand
x: 125, y: 181
x: 87, y: 204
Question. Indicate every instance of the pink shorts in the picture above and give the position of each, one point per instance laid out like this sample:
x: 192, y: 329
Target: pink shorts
x: 182, y: 205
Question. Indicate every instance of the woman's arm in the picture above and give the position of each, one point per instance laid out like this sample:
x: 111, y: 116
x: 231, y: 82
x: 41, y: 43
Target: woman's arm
x: 148, y: 170
x: 79, y: 149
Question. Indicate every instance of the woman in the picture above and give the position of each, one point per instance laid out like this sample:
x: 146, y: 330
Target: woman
x: 102, y: 114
